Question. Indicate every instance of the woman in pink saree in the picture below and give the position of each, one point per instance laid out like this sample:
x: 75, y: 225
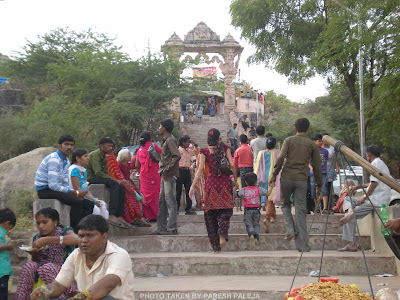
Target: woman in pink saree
x: 150, y: 180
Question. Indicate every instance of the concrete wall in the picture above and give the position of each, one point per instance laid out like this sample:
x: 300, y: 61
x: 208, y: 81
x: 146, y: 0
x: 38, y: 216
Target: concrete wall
x: 245, y: 105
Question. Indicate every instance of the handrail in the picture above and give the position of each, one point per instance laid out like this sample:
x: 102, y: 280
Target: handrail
x: 340, y: 146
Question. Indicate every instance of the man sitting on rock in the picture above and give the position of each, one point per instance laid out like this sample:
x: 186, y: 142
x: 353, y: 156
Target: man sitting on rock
x: 101, y: 269
x: 97, y: 174
x: 378, y: 194
x: 51, y: 180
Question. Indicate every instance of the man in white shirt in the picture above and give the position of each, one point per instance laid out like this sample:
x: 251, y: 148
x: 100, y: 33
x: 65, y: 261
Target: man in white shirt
x: 184, y: 178
x: 378, y: 194
x: 259, y: 143
x: 232, y: 135
x: 189, y: 111
x: 101, y: 269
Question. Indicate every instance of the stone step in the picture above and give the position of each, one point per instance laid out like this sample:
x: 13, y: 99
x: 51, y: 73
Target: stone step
x: 236, y: 227
x: 238, y: 216
x: 100, y: 191
x: 251, y: 263
x: 237, y: 242
x: 239, y: 287
x: 194, y: 224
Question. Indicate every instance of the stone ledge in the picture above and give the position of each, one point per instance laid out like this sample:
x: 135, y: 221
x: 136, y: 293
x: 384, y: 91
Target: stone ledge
x: 63, y: 210
x: 98, y: 190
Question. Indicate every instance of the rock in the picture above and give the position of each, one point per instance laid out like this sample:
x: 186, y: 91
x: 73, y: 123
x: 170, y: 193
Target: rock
x: 12, y: 97
x: 18, y: 173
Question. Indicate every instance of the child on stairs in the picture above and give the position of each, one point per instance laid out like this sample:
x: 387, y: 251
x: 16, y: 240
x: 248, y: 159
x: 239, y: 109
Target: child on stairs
x: 251, y: 195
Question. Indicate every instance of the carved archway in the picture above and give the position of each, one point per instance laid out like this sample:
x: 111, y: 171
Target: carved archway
x: 203, y: 40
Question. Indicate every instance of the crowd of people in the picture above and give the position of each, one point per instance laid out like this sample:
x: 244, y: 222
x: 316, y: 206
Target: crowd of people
x: 191, y: 111
x: 301, y: 170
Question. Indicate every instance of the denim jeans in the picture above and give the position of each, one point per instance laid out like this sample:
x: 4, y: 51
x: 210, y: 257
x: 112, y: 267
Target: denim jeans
x: 4, y: 287
x: 252, y: 221
x: 243, y: 172
x: 167, y: 201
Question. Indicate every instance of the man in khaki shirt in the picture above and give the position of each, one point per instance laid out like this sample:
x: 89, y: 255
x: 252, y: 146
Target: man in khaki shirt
x: 169, y: 171
x: 295, y: 156
x: 101, y: 269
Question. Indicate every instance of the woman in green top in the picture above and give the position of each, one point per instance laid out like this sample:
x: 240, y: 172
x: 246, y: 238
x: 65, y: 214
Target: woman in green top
x: 50, y: 248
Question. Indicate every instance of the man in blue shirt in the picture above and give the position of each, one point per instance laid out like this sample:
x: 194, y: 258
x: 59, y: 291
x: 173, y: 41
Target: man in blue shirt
x: 51, y: 180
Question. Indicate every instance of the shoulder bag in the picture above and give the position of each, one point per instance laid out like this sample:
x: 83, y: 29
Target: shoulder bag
x: 153, y: 153
x: 225, y: 166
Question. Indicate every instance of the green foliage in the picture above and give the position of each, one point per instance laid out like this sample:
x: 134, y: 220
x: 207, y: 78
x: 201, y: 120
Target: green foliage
x: 283, y: 126
x: 21, y: 203
x: 80, y: 83
x: 60, y: 47
x: 306, y: 37
x: 333, y: 114
x: 19, y: 138
x: 277, y: 102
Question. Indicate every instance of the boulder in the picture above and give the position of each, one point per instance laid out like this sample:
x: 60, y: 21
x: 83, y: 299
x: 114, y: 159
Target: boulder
x: 18, y: 173
x: 12, y: 97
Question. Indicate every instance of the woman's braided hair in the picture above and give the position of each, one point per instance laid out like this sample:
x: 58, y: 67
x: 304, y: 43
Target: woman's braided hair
x: 213, y: 140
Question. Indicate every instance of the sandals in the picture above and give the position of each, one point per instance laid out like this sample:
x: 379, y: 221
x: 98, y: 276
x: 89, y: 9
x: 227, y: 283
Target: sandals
x: 168, y: 232
x: 289, y: 237
x: 156, y: 233
x: 119, y: 224
x: 347, y: 248
x: 140, y: 223
x: 266, y: 229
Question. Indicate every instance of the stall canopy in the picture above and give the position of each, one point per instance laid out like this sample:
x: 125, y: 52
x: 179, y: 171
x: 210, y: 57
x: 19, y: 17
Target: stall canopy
x: 2, y: 79
x: 213, y: 93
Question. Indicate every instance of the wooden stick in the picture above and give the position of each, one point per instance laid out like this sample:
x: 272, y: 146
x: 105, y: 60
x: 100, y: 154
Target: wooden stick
x: 386, y: 178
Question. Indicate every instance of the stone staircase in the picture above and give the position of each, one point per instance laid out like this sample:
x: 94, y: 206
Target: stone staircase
x: 184, y: 267
x: 198, y: 131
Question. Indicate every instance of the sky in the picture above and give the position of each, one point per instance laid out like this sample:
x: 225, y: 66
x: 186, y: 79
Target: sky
x: 137, y: 26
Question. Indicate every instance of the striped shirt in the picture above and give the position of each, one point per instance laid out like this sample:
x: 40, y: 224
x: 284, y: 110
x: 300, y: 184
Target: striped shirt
x: 53, y: 173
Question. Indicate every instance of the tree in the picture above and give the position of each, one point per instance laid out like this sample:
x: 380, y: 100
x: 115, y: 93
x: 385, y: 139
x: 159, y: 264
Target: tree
x: 80, y: 83
x: 306, y: 37
x: 277, y: 102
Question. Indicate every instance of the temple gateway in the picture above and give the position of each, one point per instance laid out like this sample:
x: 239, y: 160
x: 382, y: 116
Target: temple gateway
x: 203, y: 40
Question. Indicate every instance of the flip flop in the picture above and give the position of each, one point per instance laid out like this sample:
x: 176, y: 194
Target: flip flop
x: 158, y: 233
x: 289, y: 237
x: 347, y: 249
x: 170, y: 232
x: 118, y: 224
x: 266, y: 229
x: 129, y: 226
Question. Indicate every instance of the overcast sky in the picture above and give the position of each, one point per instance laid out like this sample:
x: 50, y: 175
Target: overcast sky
x: 136, y: 24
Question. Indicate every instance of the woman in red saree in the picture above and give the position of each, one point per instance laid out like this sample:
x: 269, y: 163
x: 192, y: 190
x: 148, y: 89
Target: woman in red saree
x: 130, y: 213
x: 124, y: 157
x: 150, y: 180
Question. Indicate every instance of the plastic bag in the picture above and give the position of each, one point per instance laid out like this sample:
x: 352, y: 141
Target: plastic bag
x: 386, y: 294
